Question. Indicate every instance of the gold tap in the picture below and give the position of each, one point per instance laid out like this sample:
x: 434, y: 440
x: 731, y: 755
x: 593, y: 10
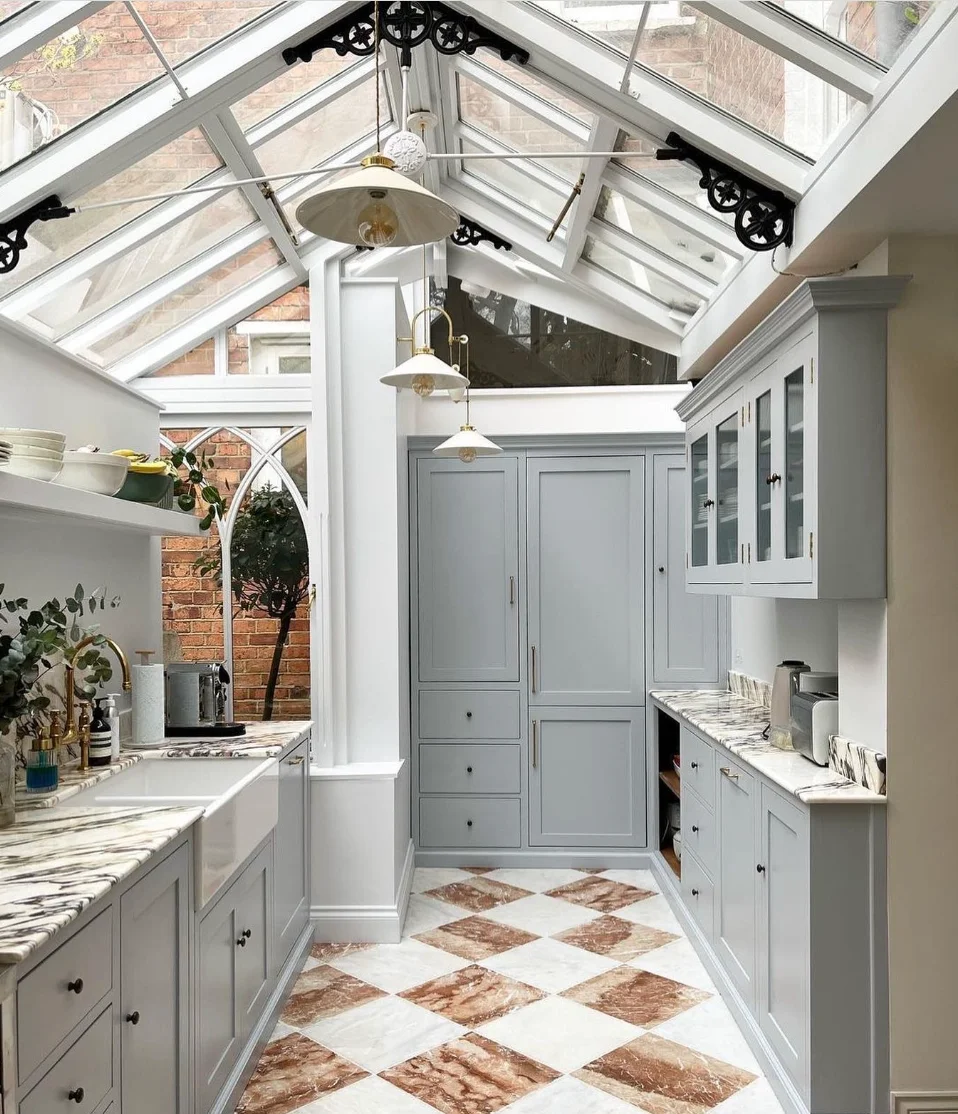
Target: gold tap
x: 83, y: 731
x: 73, y: 730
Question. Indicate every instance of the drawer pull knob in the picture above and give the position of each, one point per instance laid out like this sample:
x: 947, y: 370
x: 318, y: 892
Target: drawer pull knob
x: 695, y: 827
x: 760, y: 868
x: 468, y: 715
x: 774, y: 478
x: 468, y: 769
x: 244, y: 936
x: 694, y: 765
x: 76, y: 985
x: 661, y: 568
x: 695, y: 893
x: 468, y: 823
x: 728, y: 773
x: 134, y: 1017
x: 76, y: 1095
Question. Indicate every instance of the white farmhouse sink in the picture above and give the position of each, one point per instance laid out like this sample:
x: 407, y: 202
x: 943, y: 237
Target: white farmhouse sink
x: 239, y: 798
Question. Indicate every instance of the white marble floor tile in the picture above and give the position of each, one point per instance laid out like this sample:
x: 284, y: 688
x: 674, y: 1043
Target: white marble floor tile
x: 426, y: 913
x: 756, y: 1098
x: 542, y: 915
x: 644, y: 879
x: 677, y: 960
x: 550, y: 965
x: 431, y: 877
x: 381, y: 1034
x: 561, y: 1034
x: 311, y: 963
x: 281, y: 1030
x: 537, y: 881
x: 710, y: 1028
x: 397, y: 967
x: 653, y: 911
x: 369, y: 1096
x: 570, y: 1096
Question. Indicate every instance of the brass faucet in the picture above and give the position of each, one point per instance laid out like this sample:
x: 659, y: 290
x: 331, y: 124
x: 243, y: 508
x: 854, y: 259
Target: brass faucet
x: 75, y: 731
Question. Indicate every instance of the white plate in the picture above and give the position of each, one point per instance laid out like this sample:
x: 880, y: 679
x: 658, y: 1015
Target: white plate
x: 19, y: 436
x: 41, y: 452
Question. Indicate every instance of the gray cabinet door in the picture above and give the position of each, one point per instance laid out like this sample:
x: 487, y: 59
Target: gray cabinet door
x: 735, y: 927
x: 154, y: 988
x: 253, y: 944
x: 586, y: 563
x: 291, y: 880
x: 468, y: 574
x: 783, y: 922
x: 217, y: 1031
x: 587, y: 777
x: 684, y: 625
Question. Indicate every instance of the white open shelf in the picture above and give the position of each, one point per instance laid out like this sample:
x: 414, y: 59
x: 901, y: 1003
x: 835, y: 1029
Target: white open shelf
x: 23, y: 497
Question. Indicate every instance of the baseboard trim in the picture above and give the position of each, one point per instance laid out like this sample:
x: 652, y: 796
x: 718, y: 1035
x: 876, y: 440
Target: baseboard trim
x: 366, y: 924
x: 530, y: 858
x: 925, y: 1102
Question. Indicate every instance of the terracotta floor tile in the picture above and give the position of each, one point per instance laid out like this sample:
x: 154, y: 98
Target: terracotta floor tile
x: 473, y: 996
x: 638, y: 997
x: 292, y: 1072
x: 480, y: 894
x: 471, y: 1075
x: 616, y: 938
x: 479, y: 869
x: 475, y: 938
x: 325, y: 952
x: 600, y: 893
x: 322, y: 992
x: 661, y: 1077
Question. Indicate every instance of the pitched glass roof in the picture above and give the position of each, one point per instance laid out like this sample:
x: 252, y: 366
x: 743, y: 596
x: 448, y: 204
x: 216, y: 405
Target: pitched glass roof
x: 107, y: 102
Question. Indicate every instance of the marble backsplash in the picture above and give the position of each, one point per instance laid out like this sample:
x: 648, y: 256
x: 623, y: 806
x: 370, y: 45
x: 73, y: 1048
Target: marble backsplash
x: 750, y: 688
x: 857, y: 763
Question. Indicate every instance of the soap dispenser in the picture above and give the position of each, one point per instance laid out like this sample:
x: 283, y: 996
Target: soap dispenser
x: 101, y: 736
x: 43, y: 769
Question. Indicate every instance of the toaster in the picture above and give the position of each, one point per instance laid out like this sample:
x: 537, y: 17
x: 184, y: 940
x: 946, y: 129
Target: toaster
x: 814, y: 717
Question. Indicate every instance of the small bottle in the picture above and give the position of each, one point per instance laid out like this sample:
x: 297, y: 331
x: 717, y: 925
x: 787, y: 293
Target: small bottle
x: 113, y: 718
x: 101, y: 737
x: 43, y: 770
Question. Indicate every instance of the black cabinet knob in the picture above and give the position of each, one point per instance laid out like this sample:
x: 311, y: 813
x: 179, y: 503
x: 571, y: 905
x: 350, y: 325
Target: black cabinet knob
x: 76, y: 986
x: 695, y: 893
x: 760, y: 868
x: 695, y: 827
x: 694, y: 765
x: 468, y: 823
x: 468, y: 715
x: 241, y: 942
x: 468, y: 769
x: 661, y: 568
x: 246, y: 933
x: 76, y: 1095
x: 134, y: 1017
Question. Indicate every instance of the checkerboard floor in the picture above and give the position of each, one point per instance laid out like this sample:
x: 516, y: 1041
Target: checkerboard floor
x: 526, y: 991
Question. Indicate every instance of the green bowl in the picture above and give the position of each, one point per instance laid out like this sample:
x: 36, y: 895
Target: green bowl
x: 139, y: 487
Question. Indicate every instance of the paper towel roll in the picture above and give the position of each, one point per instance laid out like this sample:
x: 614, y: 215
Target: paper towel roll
x: 148, y: 722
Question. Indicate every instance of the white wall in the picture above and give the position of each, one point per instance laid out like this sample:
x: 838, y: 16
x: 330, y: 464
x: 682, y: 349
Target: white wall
x: 764, y: 632
x: 863, y: 668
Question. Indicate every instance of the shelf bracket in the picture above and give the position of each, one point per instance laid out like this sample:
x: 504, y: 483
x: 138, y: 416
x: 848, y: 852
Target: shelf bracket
x: 13, y: 232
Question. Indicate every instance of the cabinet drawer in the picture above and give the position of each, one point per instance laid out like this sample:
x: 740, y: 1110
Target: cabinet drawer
x: 699, y: 834
x: 458, y: 714
x: 61, y: 991
x: 697, y: 891
x: 86, y: 1068
x: 698, y: 766
x: 469, y: 768
x: 480, y: 822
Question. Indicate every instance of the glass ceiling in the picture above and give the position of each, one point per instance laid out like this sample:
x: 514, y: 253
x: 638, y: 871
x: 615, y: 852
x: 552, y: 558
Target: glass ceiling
x: 125, y: 287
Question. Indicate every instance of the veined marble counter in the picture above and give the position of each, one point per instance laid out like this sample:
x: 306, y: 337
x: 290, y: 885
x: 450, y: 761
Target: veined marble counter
x: 53, y: 866
x: 737, y: 724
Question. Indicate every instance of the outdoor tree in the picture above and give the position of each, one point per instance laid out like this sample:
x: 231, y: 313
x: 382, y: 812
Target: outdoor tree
x: 269, y: 562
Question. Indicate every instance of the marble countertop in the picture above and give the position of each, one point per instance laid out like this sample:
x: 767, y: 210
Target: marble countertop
x: 737, y: 724
x: 55, y: 865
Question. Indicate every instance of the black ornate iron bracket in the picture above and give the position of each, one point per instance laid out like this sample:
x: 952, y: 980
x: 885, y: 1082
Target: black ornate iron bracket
x: 405, y: 24
x: 469, y: 234
x: 13, y: 232
x: 764, y: 217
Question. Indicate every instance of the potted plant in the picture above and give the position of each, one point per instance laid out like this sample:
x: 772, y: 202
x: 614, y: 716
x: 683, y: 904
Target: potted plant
x: 148, y: 481
x: 33, y: 642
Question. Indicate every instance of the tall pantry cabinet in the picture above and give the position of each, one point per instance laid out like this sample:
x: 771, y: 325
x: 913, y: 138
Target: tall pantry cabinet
x: 548, y: 597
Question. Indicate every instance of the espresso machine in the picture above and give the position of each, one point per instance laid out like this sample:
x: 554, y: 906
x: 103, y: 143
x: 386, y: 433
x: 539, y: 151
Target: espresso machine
x: 197, y: 698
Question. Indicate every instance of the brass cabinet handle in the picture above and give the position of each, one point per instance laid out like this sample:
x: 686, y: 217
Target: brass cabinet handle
x: 533, y: 669
x: 728, y: 773
x: 512, y: 591
x: 535, y: 744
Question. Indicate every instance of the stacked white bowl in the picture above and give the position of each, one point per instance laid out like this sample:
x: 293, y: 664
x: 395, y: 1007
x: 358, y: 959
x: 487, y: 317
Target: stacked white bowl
x: 36, y: 453
x: 6, y: 450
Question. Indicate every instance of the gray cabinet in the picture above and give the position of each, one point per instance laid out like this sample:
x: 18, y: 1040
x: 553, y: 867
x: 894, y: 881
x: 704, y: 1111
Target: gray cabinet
x: 587, y: 777
x: 154, y: 979
x: 468, y: 569
x: 735, y: 915
x: 685, y: 628
x: 253, y: 944
x: 291, y: 875
x: 586, y: 580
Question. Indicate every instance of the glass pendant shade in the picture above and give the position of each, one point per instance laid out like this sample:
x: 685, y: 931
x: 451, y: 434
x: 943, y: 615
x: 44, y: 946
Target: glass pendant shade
x: 424, y: 373
x: 376, y: 206
x: 467, y: 444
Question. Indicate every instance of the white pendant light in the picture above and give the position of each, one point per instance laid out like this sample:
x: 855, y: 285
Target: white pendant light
x: 468, y: 443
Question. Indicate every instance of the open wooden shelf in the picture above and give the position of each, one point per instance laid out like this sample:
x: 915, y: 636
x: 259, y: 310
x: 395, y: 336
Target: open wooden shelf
x: 669, y: 855
x: 21, y: 497
x: 671, y: 779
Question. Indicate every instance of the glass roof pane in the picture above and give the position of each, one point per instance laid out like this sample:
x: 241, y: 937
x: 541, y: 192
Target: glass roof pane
x: 175, y: 166
x: 508, y: 178
x: 185, y: 27
x: 185, y: 303
x: 8, y: 7
x: 71, y: 306
x: 618, y: 263
x: 520, y: 76
x: 503, y: 120
x: 72, y: 77
x: 878, y: 30
x: 662, y: 234
x: 744, y: 78
x: 293, y: 83
x: 612, y: 22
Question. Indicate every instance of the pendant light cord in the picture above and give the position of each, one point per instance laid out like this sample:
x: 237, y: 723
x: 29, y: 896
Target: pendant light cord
x: 376, y: 40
